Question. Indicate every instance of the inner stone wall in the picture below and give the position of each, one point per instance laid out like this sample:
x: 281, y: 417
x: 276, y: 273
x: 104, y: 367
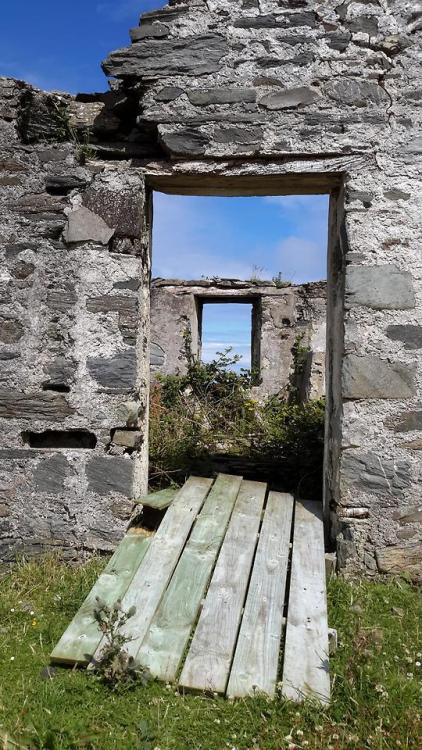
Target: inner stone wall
x: 283, y: 318
x: 217, y: 97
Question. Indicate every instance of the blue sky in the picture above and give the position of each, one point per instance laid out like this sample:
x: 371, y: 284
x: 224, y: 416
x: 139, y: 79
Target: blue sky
x: 57, y: 45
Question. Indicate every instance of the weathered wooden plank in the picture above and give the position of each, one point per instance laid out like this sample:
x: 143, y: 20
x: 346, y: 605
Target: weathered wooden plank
x: 154, y: 573
x: 79, y: 642
x: 159, y: 500
x: 255, y: 663
x: 306, y: 661
x: 208, y: 661
x: 167, y: 638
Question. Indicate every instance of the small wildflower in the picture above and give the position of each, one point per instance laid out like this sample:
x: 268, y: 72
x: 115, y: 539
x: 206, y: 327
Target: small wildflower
x: 12, y: 658
x: 217, y: 721
x: 32, y: 613
x: 419, y: 655
x: 335, y: 736
x: 288, y: 738
x: 319, y: 728
x: 409, y: 675
x: 299, y: 733
x: 417, y: 663
x: 13, y: 609
x: 34, y: 623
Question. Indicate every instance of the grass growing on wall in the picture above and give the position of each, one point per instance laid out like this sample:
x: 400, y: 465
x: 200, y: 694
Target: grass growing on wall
x: 375, y: 677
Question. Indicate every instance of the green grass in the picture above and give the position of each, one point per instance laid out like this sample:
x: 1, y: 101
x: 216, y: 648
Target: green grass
x: 375, y: 675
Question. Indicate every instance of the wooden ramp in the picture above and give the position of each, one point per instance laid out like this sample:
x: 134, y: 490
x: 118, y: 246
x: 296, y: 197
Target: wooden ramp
x: 212, y: 590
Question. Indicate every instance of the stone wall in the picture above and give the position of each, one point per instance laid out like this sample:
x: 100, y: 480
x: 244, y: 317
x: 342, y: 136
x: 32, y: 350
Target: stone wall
x: 281, y: 318
x: 73, y: 308
x: 238, y: 98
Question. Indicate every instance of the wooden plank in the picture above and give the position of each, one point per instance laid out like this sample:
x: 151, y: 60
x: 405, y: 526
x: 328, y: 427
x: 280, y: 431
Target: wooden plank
x: 154, y: 573
x: 167, y: 638
x: 306, y: 662
x: 79, y: 642
x: 209, y: 658
x: 255, y: 664
x: 158, y: 500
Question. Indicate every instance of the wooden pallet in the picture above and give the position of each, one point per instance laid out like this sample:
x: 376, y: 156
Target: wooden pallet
x: 210, y: 592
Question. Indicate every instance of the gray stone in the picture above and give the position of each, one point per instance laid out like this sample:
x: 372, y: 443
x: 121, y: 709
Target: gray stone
x: 380, y: 288
x: 369, y: 473
x: 169, y: 94
x: 408, y: 421
x: 185, y: 142
x: 157, y: 356
x: 408, y: 515
x: 11, y: 330
x: 204, y: 97
x: 413, y: 445
x: 365, y: 24
x: 110, y: 475
x: 149, y: 31
x: 399, y: 560
x: 394, y: 194
x: 282, y: 20
x: 43, y: 405
x: 356, y: 92
x: 288, y: 98
x: 238, y: 135
x: 62, y: 300
x: 196, y: 55
x: 50, y: 475
x: 83, y: 225
x: 371, y: 377
x: 60, y: 184
x: 112, y: 303
x: 414, y: 147
x: 22, y: 270
x: 132, y: 284
x: 60, y: 372
x: 409, y: 334
x: 128, y: 438
x: 120, y: 209
x: 116, y: 373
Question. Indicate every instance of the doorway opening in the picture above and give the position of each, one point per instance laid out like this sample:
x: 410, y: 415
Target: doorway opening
x: 244, y: 272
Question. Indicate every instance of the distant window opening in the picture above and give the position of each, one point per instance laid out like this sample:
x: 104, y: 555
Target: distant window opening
x: 230, y: 327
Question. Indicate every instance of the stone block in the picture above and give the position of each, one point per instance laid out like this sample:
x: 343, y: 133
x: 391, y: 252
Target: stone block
x: 60, y: 372
x: 409, y: 515
x: 401, y: 560
x: 169, y: 94
x: 34, y: 406
x: 410, y: 335
x: 372, y: 377
x: 110, y: 475
x: 116, y: 373
x: 289, y: 98
x: 128, y: 438
x: 120, y: 209
x: 379, y: 287
x: 157, y: 355
x: 50, y: 475
x: 356, y: 92
x: 408, y: 421
x: 11, y: 330
x: 205, y: 97
x: 84, y: 226
x: 238, y: 135
x: 196, y: 55
x: 371, y: 474
x: 149, y: 31
x: 184, y: 142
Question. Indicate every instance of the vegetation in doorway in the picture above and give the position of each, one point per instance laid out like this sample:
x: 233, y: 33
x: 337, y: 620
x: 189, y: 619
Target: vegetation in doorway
x: 209, y: 412
x: 375, y: 678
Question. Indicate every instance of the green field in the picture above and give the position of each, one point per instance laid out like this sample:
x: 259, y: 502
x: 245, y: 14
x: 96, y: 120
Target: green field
x: 376, y: 676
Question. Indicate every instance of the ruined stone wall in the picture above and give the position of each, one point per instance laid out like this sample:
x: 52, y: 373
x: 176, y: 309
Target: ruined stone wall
x: 271, y: 97
x: 74, y: 269
x: 282, y: 319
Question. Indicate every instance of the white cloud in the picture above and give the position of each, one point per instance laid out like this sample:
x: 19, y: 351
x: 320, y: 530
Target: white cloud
x: 183, y: 242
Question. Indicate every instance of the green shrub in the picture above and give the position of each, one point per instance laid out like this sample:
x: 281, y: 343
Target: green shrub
x: 209, y: 411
